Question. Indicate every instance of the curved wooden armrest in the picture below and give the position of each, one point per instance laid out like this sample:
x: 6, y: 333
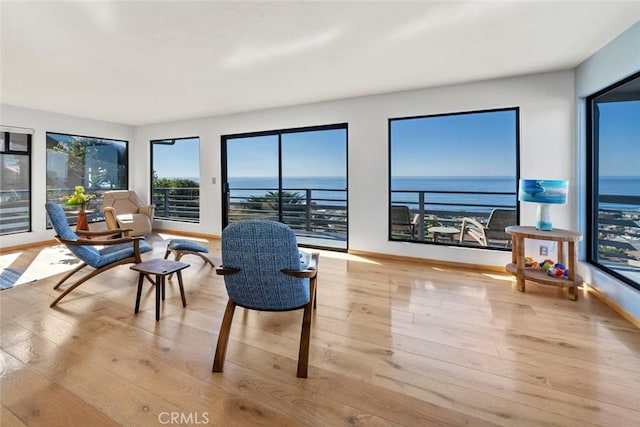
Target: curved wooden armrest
x: 300, y: 273
x: 98, y: 242
x: 221, y: 271
x: 310, y: 271
x: 87, y: 233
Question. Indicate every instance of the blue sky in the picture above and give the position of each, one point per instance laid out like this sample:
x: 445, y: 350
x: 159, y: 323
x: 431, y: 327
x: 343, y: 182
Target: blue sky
x: 313, y: 153
x: 476, y: 144
x: 180, y: 160
x: 619, y: 138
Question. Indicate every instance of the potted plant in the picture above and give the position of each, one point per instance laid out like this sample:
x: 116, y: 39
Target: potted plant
x: 79, y: 198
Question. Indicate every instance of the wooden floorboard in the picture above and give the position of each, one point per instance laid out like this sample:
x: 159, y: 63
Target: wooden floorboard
x: 393, y: 343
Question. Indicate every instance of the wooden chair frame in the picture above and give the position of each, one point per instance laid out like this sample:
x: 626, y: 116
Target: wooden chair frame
x: 85, y: 241
x: 311, y: 273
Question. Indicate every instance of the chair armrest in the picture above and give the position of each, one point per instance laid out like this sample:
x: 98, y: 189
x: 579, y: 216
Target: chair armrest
x: 310, y: 271
x: 221, y: 271
x: 478, y: 234
x: 99, y: 242
x: 147, y: 210
x: 416, y: 219
x: 87, y: 233
x: 471, y: 221
x: 110, y: 217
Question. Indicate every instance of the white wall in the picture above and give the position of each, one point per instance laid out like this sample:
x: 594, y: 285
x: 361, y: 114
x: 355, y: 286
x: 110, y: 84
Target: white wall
x: 546, y: 104
x: 42, y: 122
x: 617, y: 60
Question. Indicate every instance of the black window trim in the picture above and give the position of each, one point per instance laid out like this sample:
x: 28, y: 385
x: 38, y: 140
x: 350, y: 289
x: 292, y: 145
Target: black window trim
x: 7, y: 130
x: 515, y: 109
x: 279, y: 132
x: 155, y: 141
x: 126, y: 163
x: 592, y: 167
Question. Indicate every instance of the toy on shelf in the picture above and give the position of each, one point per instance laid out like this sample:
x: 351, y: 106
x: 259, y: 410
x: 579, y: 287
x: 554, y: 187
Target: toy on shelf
x: 530, y: 262
x: 556, y: 269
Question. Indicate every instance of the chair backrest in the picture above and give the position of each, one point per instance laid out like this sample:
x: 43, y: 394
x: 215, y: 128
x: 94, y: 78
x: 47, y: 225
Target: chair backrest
x: 261, y: 249
x: 123, y: 201
x: 400, y: 215
x: 88, y: 254
x: 499, y: 219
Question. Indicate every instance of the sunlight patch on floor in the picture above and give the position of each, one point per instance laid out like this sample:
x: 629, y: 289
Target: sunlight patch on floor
x: 50, y: 261
x: 7, y: 259
x: 503, y: 277
x: 343, y: 256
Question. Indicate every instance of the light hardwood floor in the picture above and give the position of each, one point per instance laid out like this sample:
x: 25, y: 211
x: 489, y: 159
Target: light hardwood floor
x: 393, y: 343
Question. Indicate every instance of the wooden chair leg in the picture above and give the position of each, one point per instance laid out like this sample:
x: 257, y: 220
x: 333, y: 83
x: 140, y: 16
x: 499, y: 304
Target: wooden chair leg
x: 223, y: 337
x: 305, y: 334
x: 205, y: 258
x: 69, y: 274
x: 166, y: 254
x: 80, y: 282
x: 314, y: 286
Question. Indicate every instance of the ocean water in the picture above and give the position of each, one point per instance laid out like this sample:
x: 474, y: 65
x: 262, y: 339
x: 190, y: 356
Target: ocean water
x: 437, y: 190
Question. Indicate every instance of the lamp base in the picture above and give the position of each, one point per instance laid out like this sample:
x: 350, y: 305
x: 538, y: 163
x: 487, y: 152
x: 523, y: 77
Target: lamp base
x: 543, y: 218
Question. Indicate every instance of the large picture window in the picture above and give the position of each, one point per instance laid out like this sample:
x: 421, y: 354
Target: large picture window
x: 15, y: 182
x: 175, y: 181
x: 97, y: 164
x: 613, y: 237
x: 453, y: 178
x: 295, y: 176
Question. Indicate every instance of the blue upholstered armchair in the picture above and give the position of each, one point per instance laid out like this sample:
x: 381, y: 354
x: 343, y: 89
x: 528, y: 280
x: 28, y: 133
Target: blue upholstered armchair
x: 115, y: 252
x: 263, y: 270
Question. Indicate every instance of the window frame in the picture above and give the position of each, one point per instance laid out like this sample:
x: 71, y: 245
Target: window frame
x: 6, y: 149
x: 515, y: 109
x: 224, y: 139
x: 97, y: 216
x: 592, y: 182
x: 151, y: 145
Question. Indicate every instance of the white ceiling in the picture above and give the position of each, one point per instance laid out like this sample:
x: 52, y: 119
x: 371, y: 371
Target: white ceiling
x: 137, y: 63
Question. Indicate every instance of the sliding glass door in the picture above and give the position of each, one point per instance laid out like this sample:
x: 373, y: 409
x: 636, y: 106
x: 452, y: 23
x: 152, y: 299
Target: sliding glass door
x: 294, y: 176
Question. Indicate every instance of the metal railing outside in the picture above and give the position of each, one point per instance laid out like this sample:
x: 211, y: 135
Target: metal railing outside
x: 448, y: 208
x: 315, y: 212
x: 619, y: 234
x: 177, y: 204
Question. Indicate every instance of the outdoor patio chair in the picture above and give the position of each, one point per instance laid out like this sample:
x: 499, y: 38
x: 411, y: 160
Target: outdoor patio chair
x: 119, y: 251
x: 403, y: 222
x: 263, y: 270
x: 499, y: 219
x: 123, y: 209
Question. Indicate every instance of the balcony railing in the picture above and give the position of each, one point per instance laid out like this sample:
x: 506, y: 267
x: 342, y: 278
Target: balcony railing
x: 311, y: 212
x: 177, y: 204
x: 619, y: 234
x: 14, y: 211
x: 448, y: 208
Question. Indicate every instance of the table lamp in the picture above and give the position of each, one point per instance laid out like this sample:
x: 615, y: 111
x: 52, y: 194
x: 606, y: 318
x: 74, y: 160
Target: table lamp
x: 545, y: 192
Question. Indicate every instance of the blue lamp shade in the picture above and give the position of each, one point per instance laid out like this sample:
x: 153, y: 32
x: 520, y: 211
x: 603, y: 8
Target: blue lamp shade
x: 545, y: 192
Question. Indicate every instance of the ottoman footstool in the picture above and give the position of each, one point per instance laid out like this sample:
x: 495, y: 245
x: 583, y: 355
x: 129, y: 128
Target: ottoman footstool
x: 182, y: 247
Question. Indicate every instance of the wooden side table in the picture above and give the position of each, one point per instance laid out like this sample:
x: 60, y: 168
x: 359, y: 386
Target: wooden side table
x: 83, y: 223
x: 161, y: 268
x: 536, y: 274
